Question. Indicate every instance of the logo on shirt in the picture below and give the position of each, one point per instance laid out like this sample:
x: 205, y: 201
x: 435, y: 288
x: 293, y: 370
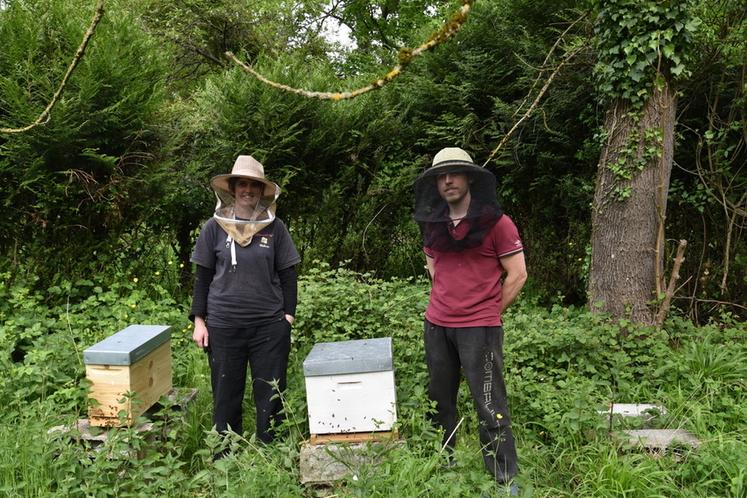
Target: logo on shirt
x: 264, y: 242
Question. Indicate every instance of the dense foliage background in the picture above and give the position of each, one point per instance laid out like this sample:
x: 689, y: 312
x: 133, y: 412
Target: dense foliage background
x: 154, y: 110
x: 102, y: 204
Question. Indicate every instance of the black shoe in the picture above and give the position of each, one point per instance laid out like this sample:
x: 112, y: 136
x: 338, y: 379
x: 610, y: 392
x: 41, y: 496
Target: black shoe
x: 221, y: 454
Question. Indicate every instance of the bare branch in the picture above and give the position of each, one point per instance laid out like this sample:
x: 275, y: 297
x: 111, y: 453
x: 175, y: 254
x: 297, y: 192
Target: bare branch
x: 46, y: 114
x: 547, y: 59
x: 448, y: 30
x: 678, y: 259
x: 194, y: 48
x: 725, y: 303
x: 535, y: 103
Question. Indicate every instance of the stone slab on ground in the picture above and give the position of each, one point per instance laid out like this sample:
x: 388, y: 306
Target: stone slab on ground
x: 660, y: 439
x: 325, y: 463
x: 178, y: 399
x: 635, y: 410
x: 81, y: 430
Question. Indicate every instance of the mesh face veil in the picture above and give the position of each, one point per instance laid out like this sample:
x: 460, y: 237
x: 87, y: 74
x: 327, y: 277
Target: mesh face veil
x: 242, y: 222
x: 243, y: 229
x: 264, y: 210
x: 432, y: 211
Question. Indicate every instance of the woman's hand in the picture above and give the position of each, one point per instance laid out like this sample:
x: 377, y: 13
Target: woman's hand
x: 200, y: 334
x: 290, y: 318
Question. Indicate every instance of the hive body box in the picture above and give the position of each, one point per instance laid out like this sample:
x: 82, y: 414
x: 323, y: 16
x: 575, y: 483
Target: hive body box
x: 137, y: 360
x: 350, y: 386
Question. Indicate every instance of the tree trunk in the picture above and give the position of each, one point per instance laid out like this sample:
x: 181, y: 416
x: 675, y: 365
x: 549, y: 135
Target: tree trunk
x: 628, y: 215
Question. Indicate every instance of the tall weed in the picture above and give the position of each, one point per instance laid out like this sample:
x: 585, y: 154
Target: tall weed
x: 563, y: 364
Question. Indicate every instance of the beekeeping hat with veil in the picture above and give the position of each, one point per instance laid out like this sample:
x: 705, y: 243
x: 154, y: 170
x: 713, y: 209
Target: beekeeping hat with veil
x: 432, y: 211
x: 241, y: 229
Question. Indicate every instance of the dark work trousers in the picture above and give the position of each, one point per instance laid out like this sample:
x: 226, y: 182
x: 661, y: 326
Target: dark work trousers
x: 479, y: 353
x: 265, y: 348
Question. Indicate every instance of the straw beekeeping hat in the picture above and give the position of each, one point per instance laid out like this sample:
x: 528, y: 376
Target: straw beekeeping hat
x: 432, y: 212
x: 240, y: 230
x: 453, y: 160
x: 245, y: 167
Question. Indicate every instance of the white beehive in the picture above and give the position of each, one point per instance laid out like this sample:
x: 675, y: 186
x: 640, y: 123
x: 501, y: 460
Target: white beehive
x: 350, y: 386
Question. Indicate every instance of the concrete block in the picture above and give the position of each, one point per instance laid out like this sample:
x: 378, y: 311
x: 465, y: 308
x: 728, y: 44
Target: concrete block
x: 635, y: 410
x: 325, y: 463
x: 659, y: 440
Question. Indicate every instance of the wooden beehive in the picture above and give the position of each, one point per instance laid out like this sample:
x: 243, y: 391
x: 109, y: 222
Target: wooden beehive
x: 350, y: 387
x: 129, y: 371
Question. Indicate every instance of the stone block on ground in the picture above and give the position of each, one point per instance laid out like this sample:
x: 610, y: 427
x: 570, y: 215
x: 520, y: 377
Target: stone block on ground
x: 178, y: 399
x: 325, y: 463
x: 658, y: 440
x: 644, y: 410
x: 82, y: 431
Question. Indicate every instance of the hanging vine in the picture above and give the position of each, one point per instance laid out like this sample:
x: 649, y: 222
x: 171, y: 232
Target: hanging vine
x: 406, y: 55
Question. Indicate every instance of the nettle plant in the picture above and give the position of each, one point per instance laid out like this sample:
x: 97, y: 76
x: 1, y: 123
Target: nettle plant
x: 642, y: 46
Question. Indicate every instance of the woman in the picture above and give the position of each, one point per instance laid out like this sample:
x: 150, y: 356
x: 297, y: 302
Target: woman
x: 245, y: 295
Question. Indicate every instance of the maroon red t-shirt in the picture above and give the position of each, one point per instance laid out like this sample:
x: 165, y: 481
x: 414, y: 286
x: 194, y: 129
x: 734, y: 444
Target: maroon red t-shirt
x: 467, y: 285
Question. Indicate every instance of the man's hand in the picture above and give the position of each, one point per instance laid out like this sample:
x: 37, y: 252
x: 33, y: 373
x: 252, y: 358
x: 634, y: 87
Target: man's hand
x: 200, y: 334
x: 430, y: 267
x: 516, y: 275
x: 290, y: 318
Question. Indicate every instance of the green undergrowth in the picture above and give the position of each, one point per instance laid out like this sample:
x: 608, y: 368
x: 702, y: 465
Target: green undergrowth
x: 562, y: 366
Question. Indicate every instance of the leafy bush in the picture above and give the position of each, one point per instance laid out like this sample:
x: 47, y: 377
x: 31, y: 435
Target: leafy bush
x: 44, y: 357
x: 563, y: 364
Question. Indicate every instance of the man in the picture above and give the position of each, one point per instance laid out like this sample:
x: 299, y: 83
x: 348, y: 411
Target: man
x: 469, y: 245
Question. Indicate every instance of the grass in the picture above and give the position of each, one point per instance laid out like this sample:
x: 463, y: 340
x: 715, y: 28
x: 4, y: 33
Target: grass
x: 562, y: 365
